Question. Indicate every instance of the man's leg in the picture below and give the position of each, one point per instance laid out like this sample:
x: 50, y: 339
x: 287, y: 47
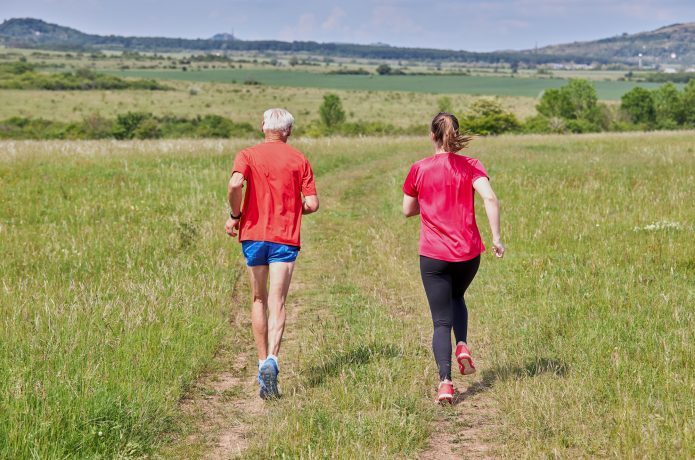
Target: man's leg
x: 280, y: 277
x: 259, y: 281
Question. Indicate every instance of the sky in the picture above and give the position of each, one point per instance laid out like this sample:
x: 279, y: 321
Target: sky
x: 474, y: 25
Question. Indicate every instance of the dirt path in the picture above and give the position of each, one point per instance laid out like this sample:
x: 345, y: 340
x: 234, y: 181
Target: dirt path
x: 223, y: 403
x: 224, y: 406
x: 467, y: 430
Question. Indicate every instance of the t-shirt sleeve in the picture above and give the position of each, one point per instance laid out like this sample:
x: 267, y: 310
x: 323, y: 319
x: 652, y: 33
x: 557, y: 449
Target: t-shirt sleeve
x: 241, y: 164
x: 409, y: 186
x: 308, y: 184
x: 478, y: 170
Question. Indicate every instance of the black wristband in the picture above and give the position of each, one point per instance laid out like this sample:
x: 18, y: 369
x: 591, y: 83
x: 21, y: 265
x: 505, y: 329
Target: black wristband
x: 235, y: 217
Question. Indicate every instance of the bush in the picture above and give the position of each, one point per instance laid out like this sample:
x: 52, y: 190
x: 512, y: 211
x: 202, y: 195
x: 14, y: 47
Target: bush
x: 384, y: 69
x: 688, y: 104
x: 97, y: 127
x: 131, y: 125
x: 638, y: 105
x: 21, y: 75
x: 487, y: 117
x: 444, y: 104
x: 331, y: 111
x: 668, y: 107
x: 574, y: 102
x: 148, y: 129
x: 127, y: 124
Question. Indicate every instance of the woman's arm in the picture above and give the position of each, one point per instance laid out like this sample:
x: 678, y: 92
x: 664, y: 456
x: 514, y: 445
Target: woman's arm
x: 410, y: 206
x: 492, y: 209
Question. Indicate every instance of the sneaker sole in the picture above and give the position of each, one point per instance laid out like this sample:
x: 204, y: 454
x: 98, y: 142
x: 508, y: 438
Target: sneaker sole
x: 466, y: 366
x: 271, y: 383
x: 445, y: 399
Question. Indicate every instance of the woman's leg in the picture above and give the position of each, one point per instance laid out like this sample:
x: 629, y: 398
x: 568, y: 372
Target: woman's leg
x: 462, y: 274
x: 437, y: 282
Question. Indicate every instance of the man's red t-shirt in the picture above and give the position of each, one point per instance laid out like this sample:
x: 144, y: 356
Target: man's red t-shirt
x: 276, y: 177
x: 443, y: 186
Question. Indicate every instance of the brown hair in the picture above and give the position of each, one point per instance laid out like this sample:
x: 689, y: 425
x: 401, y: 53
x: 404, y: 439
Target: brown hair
x: 445, y: 128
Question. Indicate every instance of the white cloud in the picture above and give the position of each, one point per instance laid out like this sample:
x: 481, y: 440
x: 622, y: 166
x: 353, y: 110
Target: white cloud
x: 334, y: 20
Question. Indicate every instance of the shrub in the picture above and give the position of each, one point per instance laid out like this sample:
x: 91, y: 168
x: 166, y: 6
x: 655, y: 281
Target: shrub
x: 128, y: 123
x: 688, y: 104
x: 487, y: 117
x: 444, y: 104
x: 331, y: 111
x: 638, y: 104
x: 575, y: 101
x: 148, y: 128
x: 384, y: 69
x: 668, y: 107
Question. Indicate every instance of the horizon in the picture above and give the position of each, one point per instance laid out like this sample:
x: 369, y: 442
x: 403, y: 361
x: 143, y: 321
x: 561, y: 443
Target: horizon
x: 398, y: 23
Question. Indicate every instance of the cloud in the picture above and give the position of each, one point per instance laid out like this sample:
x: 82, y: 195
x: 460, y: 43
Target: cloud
x: 334, y: 20
x: 303, y: 29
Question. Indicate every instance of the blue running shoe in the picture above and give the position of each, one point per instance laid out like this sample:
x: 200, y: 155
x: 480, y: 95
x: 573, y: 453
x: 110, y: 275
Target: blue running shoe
x: 268, y: 376
x: 263, y: 393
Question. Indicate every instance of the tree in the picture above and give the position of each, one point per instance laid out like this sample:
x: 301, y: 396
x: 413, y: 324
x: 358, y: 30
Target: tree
x: 575, y: 100
x: 576, y: 103
x: 668, y: 108
x: 294, y: 61
x: 383, y: 69
x: 688, y: 103
x: 638, y: 104
x: 331, y: 111
x: 487, y: 116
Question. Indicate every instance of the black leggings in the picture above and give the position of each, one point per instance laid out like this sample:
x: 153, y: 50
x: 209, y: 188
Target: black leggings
x: 445, y: 283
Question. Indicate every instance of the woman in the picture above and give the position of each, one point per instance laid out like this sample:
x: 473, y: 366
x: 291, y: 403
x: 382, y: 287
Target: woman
x: 441, y: 189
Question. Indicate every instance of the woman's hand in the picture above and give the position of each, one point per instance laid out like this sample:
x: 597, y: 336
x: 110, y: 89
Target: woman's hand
x: 498, y: 248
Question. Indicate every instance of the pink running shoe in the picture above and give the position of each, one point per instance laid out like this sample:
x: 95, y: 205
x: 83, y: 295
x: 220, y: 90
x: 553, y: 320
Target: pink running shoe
x: 446, y: 392
x: 463, y: 357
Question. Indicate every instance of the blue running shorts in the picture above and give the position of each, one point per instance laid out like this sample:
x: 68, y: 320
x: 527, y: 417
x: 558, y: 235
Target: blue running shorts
x: 265, y: 252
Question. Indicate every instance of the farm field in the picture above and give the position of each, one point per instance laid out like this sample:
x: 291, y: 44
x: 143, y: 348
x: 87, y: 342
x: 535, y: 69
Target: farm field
x: 119, y: 289
x: 240, y: 103
x: 444, y: 84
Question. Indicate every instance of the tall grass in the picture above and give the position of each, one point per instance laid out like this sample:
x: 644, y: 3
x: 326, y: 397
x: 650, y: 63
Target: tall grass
x: 115, y: 285
x: 116, y: 279
x: 585, y: 328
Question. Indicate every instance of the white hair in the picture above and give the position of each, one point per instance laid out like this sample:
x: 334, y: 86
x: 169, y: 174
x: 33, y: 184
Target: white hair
x: 277, y: 120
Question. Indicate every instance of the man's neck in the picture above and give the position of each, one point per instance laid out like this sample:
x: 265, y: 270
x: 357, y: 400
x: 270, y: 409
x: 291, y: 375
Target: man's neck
x: 275, y: 137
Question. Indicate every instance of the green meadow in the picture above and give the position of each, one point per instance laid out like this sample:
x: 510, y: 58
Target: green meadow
x: 118, y: 288
x: 438, y: 84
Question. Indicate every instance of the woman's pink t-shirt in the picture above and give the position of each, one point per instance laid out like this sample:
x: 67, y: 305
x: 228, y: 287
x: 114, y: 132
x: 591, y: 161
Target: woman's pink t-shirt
x: 443, y: 186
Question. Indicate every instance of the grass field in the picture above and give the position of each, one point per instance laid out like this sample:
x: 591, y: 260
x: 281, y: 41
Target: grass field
x: 117, y: 282
x: 240, y: 103
x: 444, y: 84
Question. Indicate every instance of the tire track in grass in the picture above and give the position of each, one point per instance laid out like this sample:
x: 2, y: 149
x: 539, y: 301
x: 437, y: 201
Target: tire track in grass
x: 469, y: 428
x: 233, y: 422
x: 221, y: 408
x: 217, y: 407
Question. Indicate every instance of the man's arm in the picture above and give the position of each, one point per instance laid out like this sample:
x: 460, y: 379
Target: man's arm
x: 492, y: 209
x: 234, y: 195
x: 410, y: 206
x: 311, y: 204
x: 234, y: 192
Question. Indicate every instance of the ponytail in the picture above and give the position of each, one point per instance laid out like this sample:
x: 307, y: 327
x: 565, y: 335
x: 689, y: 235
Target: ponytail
x: 445, y: 128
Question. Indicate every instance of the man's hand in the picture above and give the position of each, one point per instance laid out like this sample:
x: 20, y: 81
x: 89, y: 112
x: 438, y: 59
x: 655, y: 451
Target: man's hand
x: 498, y: 248
x: 231, y: 226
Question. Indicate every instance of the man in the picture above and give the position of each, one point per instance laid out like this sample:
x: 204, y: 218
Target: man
x: 276, y: 176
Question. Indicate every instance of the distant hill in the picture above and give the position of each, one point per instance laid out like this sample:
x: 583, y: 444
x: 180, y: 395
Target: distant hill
x: 223, y: 37
x: 656, y: 46
x: 35, y: 33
